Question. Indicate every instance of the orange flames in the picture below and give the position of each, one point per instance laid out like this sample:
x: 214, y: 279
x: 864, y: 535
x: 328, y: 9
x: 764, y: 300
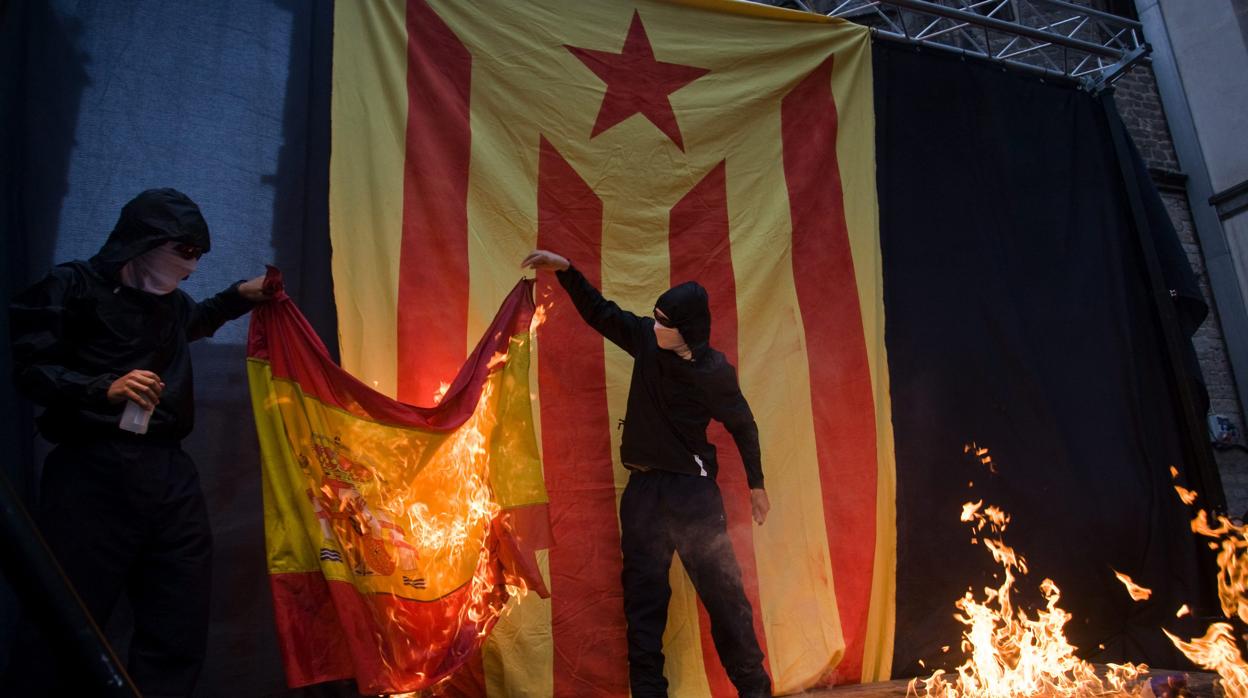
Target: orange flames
x: 443, y: 386
x: 1137, y: 592
x: 455, y: 526
x: 539, y: 318
x: 470, y: 505
x: 499, y: 358
x: 1011, y: 652
x: 1232, y: 546
x: 1217, y: 650
x: 980, y: 453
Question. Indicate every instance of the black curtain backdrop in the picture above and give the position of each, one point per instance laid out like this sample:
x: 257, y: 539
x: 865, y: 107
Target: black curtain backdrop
x: 1018, y: 310
x: 1019, y: 317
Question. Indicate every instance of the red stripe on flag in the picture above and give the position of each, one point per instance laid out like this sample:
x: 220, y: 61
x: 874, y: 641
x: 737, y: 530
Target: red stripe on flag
x: 281, y: 335
x: 587, y: 608
x: 329, y: 630
x: 701, y: 251
x: 313, y: 647
x: 468, y: 681
x: 840, y: 377
x: 433, y: 257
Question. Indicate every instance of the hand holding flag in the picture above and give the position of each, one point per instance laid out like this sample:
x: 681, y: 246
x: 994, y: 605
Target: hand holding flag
x: 541, y: 259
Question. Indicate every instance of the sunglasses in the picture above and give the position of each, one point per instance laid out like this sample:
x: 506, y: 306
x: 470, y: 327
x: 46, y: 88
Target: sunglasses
x: 188, y: 251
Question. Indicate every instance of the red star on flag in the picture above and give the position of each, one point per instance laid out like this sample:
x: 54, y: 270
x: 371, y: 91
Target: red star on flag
x: 637, y: 83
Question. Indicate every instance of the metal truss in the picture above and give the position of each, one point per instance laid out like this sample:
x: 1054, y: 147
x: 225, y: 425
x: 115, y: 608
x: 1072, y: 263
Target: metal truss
x: 1052, y: 37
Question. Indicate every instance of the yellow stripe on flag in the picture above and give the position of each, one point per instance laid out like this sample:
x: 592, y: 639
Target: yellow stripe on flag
x: 853, y: 87
x: 795, y: 572
x: 368, y: 110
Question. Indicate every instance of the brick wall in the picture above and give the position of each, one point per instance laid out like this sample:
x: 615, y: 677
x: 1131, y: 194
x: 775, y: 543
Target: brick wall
x: 1140, y: 106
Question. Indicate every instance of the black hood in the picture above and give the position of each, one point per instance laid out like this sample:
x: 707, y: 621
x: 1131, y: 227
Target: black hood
x: 151, y: 219
x: 688, y: 309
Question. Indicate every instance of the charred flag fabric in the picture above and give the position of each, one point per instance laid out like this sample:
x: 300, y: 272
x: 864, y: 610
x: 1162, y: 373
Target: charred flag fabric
x: 651, y: 143
x: 395, y: 534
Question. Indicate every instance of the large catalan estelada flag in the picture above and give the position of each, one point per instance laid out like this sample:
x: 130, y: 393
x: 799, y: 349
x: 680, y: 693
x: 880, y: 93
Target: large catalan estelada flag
x: 395, y: 534
x: 651, y: 142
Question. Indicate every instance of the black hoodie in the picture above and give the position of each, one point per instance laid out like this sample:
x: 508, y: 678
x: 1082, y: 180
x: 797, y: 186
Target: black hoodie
x: 80, y: 329
x: 672, y: 400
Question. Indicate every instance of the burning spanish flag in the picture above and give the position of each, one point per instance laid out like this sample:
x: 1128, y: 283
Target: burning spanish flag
x: 396, y: 534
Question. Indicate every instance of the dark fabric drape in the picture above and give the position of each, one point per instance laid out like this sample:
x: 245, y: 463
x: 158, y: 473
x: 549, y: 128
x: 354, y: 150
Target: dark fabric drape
x: 228, y: 102
x: 1019, y: 317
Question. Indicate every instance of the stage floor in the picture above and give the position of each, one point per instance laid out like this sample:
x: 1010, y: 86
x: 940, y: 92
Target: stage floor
x: 883, y: 689
x: 1199, y: 685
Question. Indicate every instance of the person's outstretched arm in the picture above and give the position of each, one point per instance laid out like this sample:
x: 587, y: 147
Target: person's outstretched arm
x: 209, y: 315
x: 612, y: 322
x: 729, y: 407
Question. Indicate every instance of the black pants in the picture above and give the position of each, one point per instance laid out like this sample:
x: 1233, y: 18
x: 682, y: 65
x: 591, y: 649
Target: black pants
x: 126, y: 516
x: 662, y: 513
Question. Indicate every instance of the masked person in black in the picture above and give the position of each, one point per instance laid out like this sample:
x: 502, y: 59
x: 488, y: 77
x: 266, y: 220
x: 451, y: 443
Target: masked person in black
x: 123, y: 511
x: 671, y: 503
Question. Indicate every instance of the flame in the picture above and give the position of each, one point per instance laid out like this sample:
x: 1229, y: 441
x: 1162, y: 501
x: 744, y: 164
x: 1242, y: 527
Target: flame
x: 1137, y: 592
x: 499, y: 358
x: 539, y: 317
x: 443, y: 386
x: 1011, y: 652
x: 1188, y: 496
x: 970, y: 510
x: 1218, y: 652
x: 1232, y: 546
x: 471, y: 505
x: 981, y: 453
x: 456, y: 528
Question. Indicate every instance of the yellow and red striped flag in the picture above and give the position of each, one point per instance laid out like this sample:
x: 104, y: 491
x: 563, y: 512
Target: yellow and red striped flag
x: 395, y: 534
x: 652, y: 143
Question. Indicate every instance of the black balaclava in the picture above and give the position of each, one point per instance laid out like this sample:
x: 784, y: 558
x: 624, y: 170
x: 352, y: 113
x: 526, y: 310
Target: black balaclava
x: 688, y: 309
x: 148, y: 221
